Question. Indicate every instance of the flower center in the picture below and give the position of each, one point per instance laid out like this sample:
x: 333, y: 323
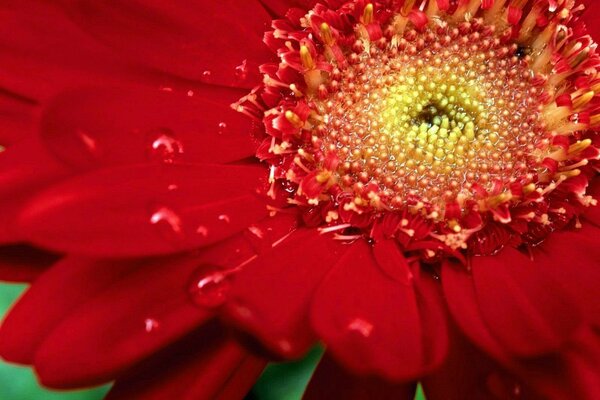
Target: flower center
x: 430, y: 118
x: 444, y: 124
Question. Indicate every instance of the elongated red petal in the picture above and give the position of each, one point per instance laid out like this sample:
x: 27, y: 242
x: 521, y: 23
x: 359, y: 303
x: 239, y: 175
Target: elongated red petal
x: 371, y: 322
x: 464, y: 373
x: 24, y: 168
x: 41, y: 39
x: 462, y: 303
x: 206, y: 366
x: 524, y: 307
x: 573, y: 258
x: 145, y: 210
x: 118, y: 320
x: 69, y: 284
x: 133, y: 318
x: 17, y: 118
x: 95, y: 127
x: 331, y: 381
x: 199, y: 40
x: 271, y: 296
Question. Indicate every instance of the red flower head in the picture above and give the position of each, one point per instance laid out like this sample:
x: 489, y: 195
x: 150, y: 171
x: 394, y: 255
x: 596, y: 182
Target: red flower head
x: 411, y: 183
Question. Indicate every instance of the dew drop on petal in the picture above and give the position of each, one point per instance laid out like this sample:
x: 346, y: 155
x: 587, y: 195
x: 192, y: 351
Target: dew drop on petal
x: 89, y: 143
x: 202, y: 231
x: 224, y: 218
x: 150, y: 325
x: 241, y: 71
x: 360, y: 326
x: 164, y: 146
x: 256, y: 231
x: 209, y: 286
x: 207, y: 76
x: 168, y: 222
x: 222, y: 128
x: 284, y: 345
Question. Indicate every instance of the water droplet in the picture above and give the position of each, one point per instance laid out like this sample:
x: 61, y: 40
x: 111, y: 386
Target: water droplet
x: 284, y: 345
x: 225, y: 218
x: 241, y: 71
x: 207, y: 76
x: 164, y: 146
x: 150, y: 325
x: 256, y: 231
x: 209, y: 286
x: 90, y: 144
x: 169, y: 223
x: 222, y: 128
x: 361, y: 326
x: 190, y: 93
x: 172, y: 187
x: 202, y: 231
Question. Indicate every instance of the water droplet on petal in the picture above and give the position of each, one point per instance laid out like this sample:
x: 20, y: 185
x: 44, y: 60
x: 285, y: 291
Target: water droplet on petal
x: 207, y: 76
x: 210, y: 286
x: 202, y: 231
x: 284, y: 345
x: 190, y: 93
x: 172, y: 187
x: 90, y: 144
x: 150, y: 325
x: 241, y: 71
x: 225, y: 218
x: 168, y: 222
x: 361, y: 326
x: 164, y: 146
x: 256, y: 231
x: 222, y: 128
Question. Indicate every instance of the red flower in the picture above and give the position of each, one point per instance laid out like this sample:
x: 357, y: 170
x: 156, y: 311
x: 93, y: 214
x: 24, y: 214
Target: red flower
x: 423, y: 204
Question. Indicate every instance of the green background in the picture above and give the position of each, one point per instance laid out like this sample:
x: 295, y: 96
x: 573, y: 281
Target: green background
x: 278, y: 382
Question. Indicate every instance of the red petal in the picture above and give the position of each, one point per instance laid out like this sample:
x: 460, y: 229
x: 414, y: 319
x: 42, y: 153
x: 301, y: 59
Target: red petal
x: 526, y: 310
x: 17, y: 118
x: 206, y: 366
x: 182, y: 37
x: 463, y: 375
x: 280, y: 8
x: 68, y: 284
x: 143, y: 312
x: 144, y: 210
x: 137, y: 315
x: 572, y: 374
x: 573, y: 259
x: 330, y: 381
x: 56, y: 54
x: 590, y: 16
x: 462, y: 303
x: 22, y: 263
x: 24, y: 168
x: 271, y: 296
x: 94, y: 127
x: 372, y: 323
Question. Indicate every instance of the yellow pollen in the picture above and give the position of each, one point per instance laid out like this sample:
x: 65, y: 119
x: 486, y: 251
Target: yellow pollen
x: 368, y: 14
x: 306, y: 58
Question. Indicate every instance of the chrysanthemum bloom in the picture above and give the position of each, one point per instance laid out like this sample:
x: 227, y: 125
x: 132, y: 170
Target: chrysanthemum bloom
x: 410, y: 183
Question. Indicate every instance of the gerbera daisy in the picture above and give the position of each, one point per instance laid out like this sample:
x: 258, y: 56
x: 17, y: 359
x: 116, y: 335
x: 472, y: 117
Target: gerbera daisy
x: 197, y: 189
